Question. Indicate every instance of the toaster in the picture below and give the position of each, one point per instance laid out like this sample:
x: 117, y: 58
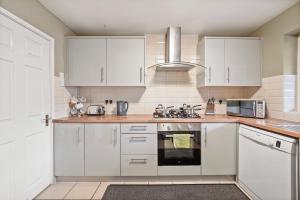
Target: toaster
x: 95, y: 110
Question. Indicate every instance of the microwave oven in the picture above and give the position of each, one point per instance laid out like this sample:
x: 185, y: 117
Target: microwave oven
x: 255, y: 108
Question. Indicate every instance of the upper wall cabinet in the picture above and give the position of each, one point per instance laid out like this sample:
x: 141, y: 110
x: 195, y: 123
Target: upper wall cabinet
x: 105, y: 61
x: 230, y: 62
x: 86, y: 62
x: 125, y: 62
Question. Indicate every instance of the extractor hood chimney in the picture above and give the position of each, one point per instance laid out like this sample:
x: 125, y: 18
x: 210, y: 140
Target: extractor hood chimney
x: 173, y: 53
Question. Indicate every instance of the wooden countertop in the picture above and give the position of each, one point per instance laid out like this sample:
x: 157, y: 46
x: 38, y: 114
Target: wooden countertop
x: 266, y: 124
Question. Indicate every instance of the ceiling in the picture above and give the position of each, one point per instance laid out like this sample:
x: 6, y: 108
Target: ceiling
x: 137, y: 17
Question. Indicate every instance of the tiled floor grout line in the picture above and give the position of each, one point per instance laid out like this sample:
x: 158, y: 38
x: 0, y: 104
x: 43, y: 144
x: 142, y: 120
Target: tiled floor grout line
x: 96, y: 190
x: 69, y: 190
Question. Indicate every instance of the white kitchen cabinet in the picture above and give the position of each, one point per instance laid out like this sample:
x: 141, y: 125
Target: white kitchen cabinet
x: 69, y: 149
x: 219, y: 149
x: 86, y: 62
x: 139, y: 149
x: 139, y: 144
x: 139, y: 165
x: 212, y: 56
x: 102, y: 150
x: 243, y: 62
x: 125, y: 62
x: 229, y: 61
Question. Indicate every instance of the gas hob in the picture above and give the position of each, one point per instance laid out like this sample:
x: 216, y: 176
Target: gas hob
x: 185, y: 111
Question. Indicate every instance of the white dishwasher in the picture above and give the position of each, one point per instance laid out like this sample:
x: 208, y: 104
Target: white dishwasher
x: 267, y: 164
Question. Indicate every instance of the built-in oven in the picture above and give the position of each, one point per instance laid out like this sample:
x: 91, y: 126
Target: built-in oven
x: 179, y: 144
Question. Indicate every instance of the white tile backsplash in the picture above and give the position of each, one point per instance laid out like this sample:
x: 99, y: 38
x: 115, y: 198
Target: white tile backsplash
x: 280, y: 95
x: 62, y: 96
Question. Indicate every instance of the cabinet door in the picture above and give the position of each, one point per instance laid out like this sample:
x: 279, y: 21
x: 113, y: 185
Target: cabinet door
x: 214, y: 62
x: 125, y: 62
x: 243, y: 62
x: 219, y: 146
x: 86, y: 62
x: 69, y: 149
x: 102, y: 149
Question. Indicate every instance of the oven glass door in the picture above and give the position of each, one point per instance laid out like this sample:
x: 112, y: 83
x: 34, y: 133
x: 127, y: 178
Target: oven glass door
x: 179, y: 148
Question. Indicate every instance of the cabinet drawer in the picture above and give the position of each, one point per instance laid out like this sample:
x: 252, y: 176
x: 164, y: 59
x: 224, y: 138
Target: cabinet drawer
x: 139, y: 128
x: 139, y: 165
x: 139, y: 144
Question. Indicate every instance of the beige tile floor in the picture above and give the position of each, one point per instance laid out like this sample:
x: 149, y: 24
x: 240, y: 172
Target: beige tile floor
x: 95, y: 190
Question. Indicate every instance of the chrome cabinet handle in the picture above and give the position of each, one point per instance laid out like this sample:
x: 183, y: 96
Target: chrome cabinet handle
x: 138, y: 139
x: 141, y: 74
x: 115, y: 136
x: 228, y: 74
x: 138, y: 161
x: 205, y: 136
x: 78, y: 136
x: 102, y: 70
x: 209, y: 74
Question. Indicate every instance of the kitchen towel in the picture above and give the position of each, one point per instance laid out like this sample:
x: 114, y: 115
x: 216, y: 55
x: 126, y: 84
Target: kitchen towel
x: 181, y: 141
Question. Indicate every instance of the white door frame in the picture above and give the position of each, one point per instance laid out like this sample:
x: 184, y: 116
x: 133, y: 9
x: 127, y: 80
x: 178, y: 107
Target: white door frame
x: 51, y: 64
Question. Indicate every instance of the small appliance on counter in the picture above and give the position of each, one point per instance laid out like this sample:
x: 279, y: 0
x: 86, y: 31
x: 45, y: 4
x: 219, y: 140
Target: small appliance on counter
x: 210, y: 107
x: 122, y: 108
x: 95, y: 110
x: 255, y: 108
x: 76, y: 106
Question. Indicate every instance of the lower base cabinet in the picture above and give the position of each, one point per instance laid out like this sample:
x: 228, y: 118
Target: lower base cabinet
x: 102, y: 150
x: 68, y: 149
x: 219, y: 149
x: 139, y: 165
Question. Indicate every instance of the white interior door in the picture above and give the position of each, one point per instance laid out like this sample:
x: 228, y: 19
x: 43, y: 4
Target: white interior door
x: 25, y: 141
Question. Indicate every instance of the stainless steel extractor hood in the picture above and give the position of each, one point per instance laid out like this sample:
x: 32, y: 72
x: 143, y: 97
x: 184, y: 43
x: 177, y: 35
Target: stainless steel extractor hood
x: 173, y: 53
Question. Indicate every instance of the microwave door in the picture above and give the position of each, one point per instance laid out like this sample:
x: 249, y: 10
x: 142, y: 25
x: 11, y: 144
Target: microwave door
x: 234, y: 108
x: 248, y: 108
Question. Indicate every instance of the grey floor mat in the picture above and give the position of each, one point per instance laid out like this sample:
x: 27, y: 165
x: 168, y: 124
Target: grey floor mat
x: 174, y: 192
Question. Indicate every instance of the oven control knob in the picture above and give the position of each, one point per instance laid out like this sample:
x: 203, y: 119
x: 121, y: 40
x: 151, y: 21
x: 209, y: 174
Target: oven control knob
x: 189, y: 126
x: 169, y: 128
x: 179, y: 126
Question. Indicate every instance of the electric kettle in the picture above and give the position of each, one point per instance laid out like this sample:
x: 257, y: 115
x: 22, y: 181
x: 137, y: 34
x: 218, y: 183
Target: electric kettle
x: 122, y: 107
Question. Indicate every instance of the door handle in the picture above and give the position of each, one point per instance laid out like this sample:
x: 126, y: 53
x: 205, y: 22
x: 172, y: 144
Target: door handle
x: 209, y: 74
x: 47, y: 119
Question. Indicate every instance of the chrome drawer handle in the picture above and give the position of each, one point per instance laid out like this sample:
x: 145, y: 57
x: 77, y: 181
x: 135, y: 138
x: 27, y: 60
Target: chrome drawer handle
x: 138, y: 128
x: 138, y: 161
x: 138, y: 139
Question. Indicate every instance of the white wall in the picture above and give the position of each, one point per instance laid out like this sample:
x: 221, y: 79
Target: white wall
x: 280, y: 95
x: 37, y: 15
